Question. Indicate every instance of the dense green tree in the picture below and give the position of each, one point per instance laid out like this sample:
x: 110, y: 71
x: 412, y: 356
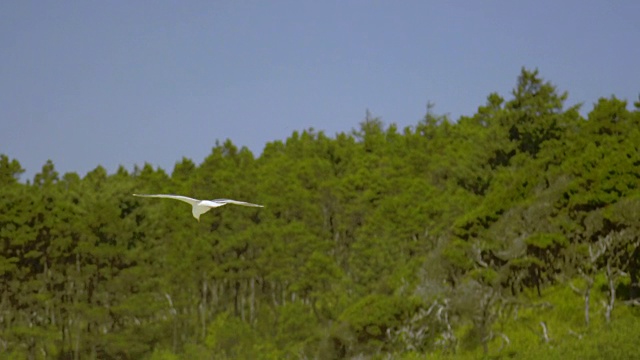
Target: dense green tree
x: 511, y: 232
x: 10, y: 171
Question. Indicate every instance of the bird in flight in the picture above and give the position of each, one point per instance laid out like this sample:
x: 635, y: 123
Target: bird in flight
x: 200, y: 207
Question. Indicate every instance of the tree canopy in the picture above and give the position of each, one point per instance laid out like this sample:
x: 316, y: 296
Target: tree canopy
x: 513, y: 232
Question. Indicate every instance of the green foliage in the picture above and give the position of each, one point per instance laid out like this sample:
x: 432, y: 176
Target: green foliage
x: 10, y: 171
x: 510, y: 233
x: 545, y: 241
x: 373, y: 317
x: 229, y: 337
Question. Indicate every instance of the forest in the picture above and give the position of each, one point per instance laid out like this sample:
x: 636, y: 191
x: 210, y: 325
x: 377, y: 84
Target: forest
x: 511, y: 233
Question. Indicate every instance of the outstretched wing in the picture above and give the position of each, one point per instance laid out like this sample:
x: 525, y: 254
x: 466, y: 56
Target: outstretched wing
x: 235, y: 202
x: 175, y: 197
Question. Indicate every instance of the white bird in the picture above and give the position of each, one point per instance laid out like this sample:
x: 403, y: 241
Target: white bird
x: 200, y: 206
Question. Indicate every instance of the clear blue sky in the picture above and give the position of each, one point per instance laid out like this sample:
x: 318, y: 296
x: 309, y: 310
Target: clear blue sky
x: 88, y: 83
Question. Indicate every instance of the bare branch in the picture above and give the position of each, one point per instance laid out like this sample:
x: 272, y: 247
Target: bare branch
x: 575, y: 289
x: 505, y: 341
x: 634, y: 302
x: 579, y: 336
x: 173, y: 310
x: 545, y: 332
x: 477, y: 252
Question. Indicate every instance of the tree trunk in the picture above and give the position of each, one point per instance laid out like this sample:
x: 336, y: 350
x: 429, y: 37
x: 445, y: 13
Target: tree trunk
x: 587, y: 295
x: 203, y: 306
x: 76, y: 347
x: 274, y: 297
x: 612, y: 293
x: 485, y: 342
x: 252, y: 301
x: 236, y: 299
x: 635, y: 283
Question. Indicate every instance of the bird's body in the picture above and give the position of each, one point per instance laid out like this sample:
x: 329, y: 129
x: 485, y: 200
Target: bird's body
x: 200, y: 207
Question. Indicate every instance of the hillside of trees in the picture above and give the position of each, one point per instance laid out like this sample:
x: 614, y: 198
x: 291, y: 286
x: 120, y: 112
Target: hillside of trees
x: 512, y: 233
